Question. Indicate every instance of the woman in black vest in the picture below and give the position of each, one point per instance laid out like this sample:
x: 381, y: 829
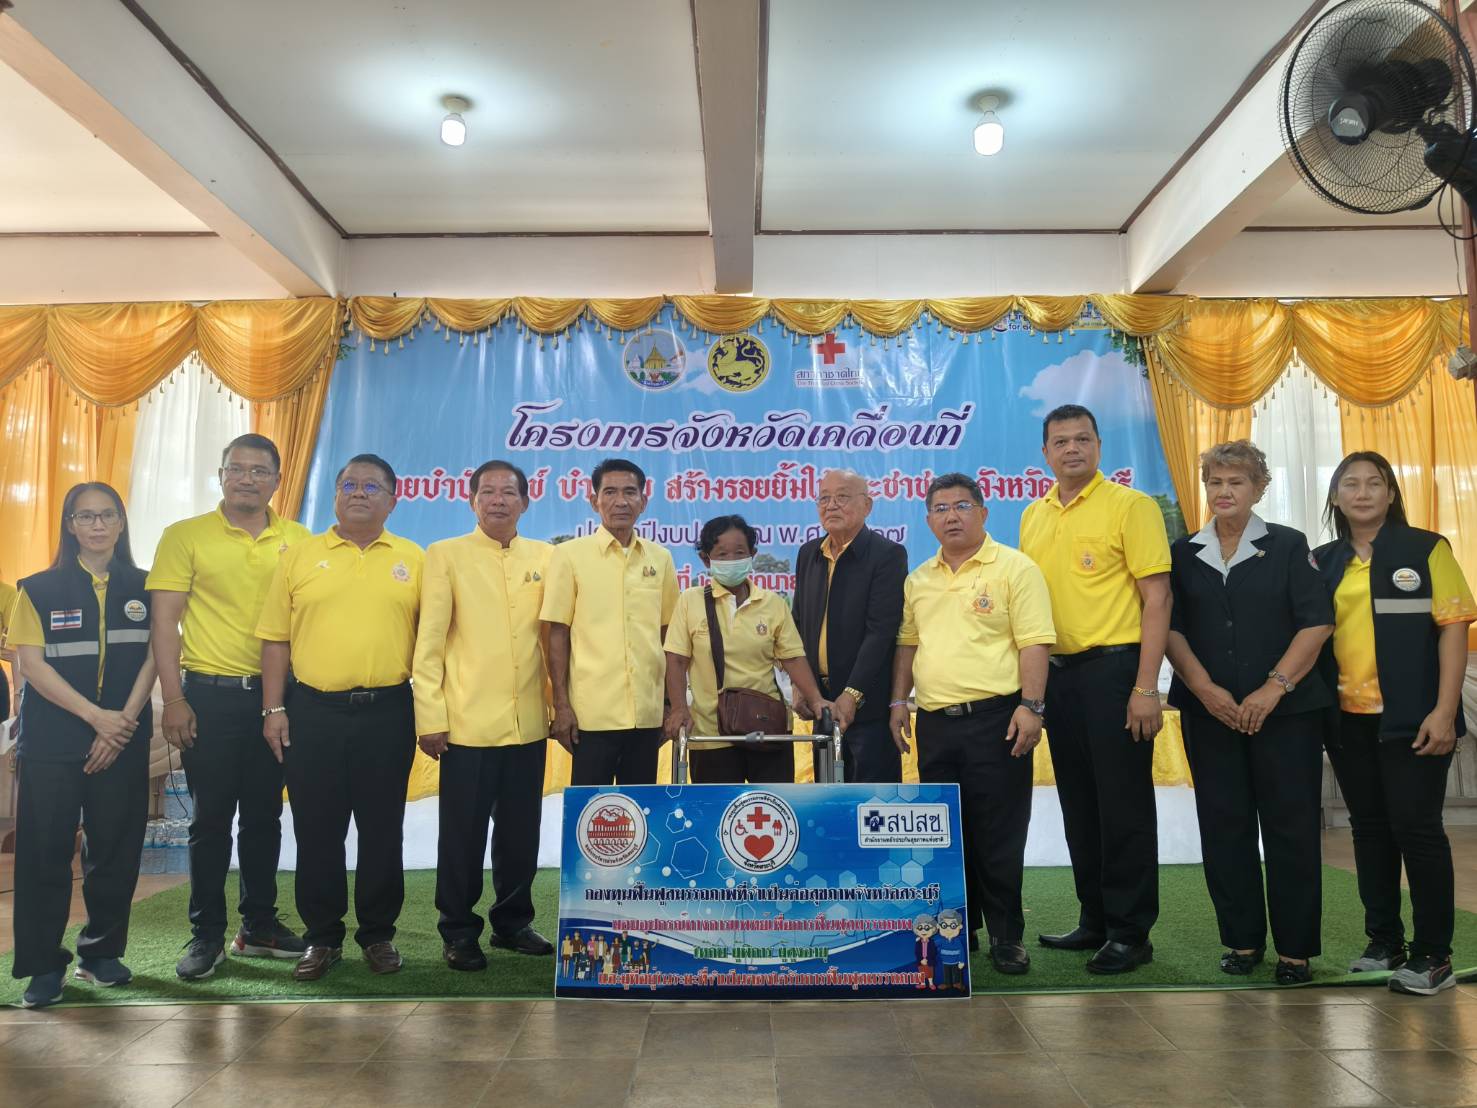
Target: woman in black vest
x: 81, y: 632
x: 1398, y: 656
x: 1248, y: 621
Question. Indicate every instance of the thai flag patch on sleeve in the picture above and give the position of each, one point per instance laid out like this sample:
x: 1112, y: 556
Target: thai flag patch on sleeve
x: 69, y: 620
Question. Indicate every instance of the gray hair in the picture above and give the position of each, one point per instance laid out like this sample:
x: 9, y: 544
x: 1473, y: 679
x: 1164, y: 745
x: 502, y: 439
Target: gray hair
x: 851, y: 476
x: 925, y: 920
x: 948, y: 915
x: 1242, y: 454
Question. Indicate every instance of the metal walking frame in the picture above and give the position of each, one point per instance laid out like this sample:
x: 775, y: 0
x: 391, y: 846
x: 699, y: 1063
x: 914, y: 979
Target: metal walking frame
x: 826, y: 738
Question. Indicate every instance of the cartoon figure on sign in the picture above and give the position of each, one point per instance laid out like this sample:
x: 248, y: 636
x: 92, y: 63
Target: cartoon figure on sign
x: 951, y: 950
x: 566, y: 955
x: 580, y: 961
x: 925, y: 948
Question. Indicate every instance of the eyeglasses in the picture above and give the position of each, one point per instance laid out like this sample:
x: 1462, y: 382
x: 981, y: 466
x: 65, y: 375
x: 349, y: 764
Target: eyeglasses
x: 256, y: 473
x: 963, y: 507
x: 87, y: 519
x: 369, y: 488
x: 840, y: 500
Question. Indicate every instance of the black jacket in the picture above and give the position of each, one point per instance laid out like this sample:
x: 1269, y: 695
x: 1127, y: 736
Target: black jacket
x: 865, y: 606
x: 67, y: 605
x: 1240, y: 626
x: 1405, y: 636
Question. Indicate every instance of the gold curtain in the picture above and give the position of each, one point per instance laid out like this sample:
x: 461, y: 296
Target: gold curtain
x: 1229, y: 352
x: 1188, y: 426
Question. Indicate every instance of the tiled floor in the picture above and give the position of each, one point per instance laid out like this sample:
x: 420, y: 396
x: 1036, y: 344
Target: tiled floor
x: 1307, y: 1048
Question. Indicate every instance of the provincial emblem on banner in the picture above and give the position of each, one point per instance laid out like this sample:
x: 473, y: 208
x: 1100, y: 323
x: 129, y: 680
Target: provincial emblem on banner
x: 654, y: 361
x: 738, y: 363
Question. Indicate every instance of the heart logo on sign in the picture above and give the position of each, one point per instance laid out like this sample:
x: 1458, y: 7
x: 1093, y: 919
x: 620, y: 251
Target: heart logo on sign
x: 759, y: 845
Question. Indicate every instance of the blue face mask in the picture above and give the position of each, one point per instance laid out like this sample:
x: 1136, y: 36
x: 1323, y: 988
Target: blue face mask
x: 731, y: 574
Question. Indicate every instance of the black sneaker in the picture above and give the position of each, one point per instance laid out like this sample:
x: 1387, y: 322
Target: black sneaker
x: 1379, y: 958
x: 271, y: 940
x: 200, y: 959
x: 1423, y: 976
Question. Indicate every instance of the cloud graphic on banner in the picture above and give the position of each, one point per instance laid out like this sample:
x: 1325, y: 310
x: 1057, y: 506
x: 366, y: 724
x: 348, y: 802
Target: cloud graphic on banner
x: 1114, y: 390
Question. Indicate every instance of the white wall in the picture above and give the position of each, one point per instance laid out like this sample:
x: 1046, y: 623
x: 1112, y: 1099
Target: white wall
x: 47, y: 270
x: 1328, y: 263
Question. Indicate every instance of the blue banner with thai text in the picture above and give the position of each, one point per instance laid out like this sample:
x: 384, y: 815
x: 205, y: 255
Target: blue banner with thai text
x: 762, y: 892
x: 745, y: 422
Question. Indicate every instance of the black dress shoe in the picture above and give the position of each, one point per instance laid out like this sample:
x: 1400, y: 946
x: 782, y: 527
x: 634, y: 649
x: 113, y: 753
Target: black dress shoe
x: 1238, y: 964
x: 464, y: 954
x: 1079, y: 938
x: 1120, y: 957
x: 1009, y: 958
x: 1290, y: 973
x: 974, y: 942
x: 523, y: 941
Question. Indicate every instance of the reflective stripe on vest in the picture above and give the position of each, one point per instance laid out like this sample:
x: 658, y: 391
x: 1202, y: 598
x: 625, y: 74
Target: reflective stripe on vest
x: 70, y: 649
x: 139, y: 636
x: 1387, y: 606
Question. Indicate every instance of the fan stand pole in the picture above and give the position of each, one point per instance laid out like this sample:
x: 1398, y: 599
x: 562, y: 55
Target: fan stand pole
x: 1466, y: 23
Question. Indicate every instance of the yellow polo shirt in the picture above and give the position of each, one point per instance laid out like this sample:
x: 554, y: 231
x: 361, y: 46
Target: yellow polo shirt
x: 349, y: 614
x: 1353, y: 627
x: 615, y: 602
x: 1093, y: 551
x: 8, y: 593
x: 479, y: 659
x: 822, y: 655
x: 757, y: 635
x: 24, y: 628
x: 225, y: 572
x: 970, y: 624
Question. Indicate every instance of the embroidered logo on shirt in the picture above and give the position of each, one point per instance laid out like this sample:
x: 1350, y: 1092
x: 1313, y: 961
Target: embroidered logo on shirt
x: 136, y: 611
x: 1088, y: 561
x: 761, y: 628
x: 648, y: 571
x: 283, y: 548
x: 1406, y: 579
x: 69, y: 620
x: 984, y: 604
x: 529, y: 578
x: 323, y: 564
x: 401, y: 572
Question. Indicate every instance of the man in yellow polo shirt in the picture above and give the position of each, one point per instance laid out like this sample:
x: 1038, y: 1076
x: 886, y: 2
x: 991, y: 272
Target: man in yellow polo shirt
x: 607, y: 600
x: 482, y: 710
x: 209, y: 579
x: 341, y: 614
x: 1105, y: 554
x: 973, y: 647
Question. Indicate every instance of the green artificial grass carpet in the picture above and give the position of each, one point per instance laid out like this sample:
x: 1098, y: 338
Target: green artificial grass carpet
x: 1186, y: 950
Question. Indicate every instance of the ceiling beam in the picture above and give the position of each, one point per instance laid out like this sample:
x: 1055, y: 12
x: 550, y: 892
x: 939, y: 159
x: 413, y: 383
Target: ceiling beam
x: 109, y: 72
x: 1232, y: 173
x: 726, y: 36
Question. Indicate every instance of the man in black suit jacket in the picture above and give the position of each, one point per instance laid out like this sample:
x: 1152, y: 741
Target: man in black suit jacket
x: 849, y: 585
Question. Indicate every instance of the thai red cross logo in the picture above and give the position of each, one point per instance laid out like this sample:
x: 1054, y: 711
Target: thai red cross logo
x: 759, y: 832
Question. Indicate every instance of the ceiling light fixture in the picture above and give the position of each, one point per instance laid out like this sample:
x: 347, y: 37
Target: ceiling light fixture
x: 989, y: 134
x: 454, y: 127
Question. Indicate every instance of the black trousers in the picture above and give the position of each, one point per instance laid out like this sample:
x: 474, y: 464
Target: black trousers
x: 1106, y: 784
x: 1272, y: 780
x: 349, y: 761
x: 740, y: 763
x: 627, y: 757
x: 867, y: 750
x: 230, y: 770
x: 995, y: 802
x: 1395, y: 799
x: 504, y: 784
x: 113, y: 807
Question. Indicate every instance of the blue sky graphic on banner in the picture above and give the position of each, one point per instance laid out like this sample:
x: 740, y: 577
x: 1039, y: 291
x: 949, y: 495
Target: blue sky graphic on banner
x: 745, y: 423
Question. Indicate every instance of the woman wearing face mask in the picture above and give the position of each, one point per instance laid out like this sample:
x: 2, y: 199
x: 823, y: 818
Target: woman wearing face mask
x: 81, y: 631
x: 1399, y: 653
x: 758, y: 633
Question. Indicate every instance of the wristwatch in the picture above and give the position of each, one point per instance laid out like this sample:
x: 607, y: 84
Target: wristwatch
x: 1037, y: 706
x: 273, y: 711
x: 856, y: 695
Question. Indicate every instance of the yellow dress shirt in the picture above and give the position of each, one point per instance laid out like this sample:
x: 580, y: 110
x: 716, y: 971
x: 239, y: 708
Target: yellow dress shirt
x: 615, y: 604
x: 970, y: 624
x: 756, y: 635
x: 349, y: 614
x: 226, y: 573
x: 1093, y: 551
x: 479, y: 657
x: 1353, y: 627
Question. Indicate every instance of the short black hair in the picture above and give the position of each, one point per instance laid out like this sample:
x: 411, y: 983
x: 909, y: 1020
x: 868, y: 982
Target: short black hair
x: 617, y: 465
x: 954, y: 481
x: 1063, y: 414
x: 719, y: 526
x: 501, y: 466
x: 370, y: 460
x: 253, y: 442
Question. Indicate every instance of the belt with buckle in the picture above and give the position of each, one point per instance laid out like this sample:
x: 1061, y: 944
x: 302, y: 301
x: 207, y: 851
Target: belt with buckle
x: 956, y: 710
x: 251, y: 682
x: 1066, y: 661
x: 357, y: 698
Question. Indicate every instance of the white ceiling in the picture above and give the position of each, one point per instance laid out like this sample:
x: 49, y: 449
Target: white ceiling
x: 55, y: 176
x: 584, y: 117
x: 870, y: 116
x: 1302, y: 207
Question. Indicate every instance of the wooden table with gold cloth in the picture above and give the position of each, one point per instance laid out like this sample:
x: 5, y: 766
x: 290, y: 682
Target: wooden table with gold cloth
x: 1170, y: 766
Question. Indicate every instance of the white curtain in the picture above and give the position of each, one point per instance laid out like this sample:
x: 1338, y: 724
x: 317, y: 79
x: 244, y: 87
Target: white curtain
x: 177, y: 452
x: 1298, y: 427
